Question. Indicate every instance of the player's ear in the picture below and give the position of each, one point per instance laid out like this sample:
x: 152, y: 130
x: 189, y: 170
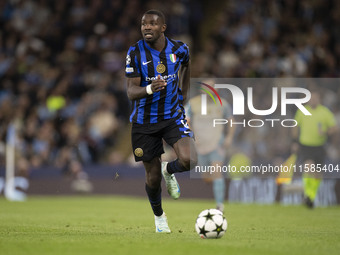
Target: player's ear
x: 163, y: 28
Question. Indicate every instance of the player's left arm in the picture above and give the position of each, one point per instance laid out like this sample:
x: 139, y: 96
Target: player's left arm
x: 184, y: 79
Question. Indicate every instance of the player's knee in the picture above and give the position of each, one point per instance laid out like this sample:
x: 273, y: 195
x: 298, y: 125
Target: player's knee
x: 193, y: 163
x: 153, y: 180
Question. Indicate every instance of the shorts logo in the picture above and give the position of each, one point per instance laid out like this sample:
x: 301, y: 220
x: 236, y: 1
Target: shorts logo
x: 160, y: 68
x: 139, y: 152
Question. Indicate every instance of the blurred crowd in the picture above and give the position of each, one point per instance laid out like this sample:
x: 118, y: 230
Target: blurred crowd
x: 265, y: 38
x: 277, y: 39
x: 62, y: 64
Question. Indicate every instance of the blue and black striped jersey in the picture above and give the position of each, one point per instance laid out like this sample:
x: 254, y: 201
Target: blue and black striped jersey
x: 147, y: 63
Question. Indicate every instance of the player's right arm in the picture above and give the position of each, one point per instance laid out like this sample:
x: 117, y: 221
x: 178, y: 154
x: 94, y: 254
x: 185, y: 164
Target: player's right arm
x: 135, y: 91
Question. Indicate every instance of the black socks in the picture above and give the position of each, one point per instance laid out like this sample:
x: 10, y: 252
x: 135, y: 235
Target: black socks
x: 175, y: 167
x: 155, y: 199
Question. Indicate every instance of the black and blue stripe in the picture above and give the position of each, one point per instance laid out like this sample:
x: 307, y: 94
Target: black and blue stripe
x: 167, y: 103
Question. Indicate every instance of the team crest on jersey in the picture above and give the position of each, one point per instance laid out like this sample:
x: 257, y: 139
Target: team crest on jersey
x: 173, y: 58
x: 139, y: 152
x: 160, y: 68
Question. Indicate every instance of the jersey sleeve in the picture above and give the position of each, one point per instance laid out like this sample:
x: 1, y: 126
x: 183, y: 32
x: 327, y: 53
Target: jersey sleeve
x: 131, y: 65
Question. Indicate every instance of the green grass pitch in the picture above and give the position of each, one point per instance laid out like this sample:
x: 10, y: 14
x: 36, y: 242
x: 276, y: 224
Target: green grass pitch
x: 124, y: 225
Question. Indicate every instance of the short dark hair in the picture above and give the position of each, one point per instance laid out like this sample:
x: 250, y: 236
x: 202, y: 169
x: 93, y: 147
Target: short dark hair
x: 158, y: 13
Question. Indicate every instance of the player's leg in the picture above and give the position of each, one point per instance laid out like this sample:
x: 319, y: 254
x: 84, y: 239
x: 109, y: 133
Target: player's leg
x: 186, y: 159
x: 204, y: 160
x: 216, y: 158
x: 218, y: 187
x: 178, y: 135
x: 312, y: 180
x: 311, y: 183
x: 153, y: 189
x: 215, y: 178
x: 186, y: 156
x: 153, y: 178
x: 148, y: 147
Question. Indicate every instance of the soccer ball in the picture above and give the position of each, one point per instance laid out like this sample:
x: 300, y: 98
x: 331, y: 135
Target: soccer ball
x: 211, y: 223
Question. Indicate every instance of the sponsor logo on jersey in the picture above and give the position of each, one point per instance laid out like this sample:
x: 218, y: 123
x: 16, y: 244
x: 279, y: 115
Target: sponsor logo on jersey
x: 165, y: 77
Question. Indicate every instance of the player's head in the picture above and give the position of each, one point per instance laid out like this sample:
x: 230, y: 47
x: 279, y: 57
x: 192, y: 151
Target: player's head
x: 153, y: 25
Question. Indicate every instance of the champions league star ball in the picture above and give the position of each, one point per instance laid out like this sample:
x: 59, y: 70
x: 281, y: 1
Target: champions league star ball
x: 210, y: 224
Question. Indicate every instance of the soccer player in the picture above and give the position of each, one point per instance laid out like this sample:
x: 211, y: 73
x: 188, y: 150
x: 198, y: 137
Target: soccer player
x: 211, y: 149
x: 311, y: 134
x: 158, y: 79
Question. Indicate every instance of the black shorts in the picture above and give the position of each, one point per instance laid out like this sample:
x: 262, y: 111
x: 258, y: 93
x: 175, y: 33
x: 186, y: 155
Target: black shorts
x: 317, y: 154
x: 147, y: 138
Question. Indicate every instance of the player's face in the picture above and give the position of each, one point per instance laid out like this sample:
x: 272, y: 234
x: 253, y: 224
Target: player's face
x: 152, y: 27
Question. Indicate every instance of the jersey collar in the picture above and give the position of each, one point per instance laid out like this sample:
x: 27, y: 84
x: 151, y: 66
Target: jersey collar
x: 156, y: 51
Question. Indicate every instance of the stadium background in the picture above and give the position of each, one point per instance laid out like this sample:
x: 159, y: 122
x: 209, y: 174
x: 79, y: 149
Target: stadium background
x: 62, y: 81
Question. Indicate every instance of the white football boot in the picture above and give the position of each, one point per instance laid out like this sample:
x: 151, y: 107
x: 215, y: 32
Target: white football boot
x: 171, y: 182
x: 161, y: 223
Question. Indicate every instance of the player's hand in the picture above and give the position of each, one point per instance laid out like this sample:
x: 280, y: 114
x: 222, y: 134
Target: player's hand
x: 158, y: 84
